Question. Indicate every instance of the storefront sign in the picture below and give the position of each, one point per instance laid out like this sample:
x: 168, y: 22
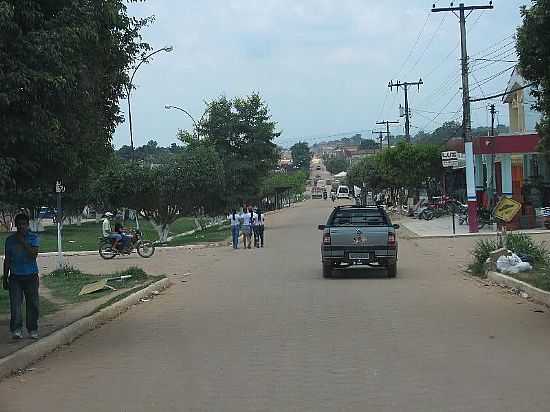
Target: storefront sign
x: 453, y: 159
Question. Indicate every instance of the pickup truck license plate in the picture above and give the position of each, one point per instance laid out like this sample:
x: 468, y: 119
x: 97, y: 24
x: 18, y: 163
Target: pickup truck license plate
x: 362, y: 256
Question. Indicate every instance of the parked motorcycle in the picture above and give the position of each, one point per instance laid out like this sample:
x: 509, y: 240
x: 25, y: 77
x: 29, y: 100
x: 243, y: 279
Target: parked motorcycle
x: 144, y: 248
x: 485, y: 217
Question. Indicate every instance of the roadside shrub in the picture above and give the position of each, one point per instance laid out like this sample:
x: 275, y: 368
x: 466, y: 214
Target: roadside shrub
x: 67, y: 272
x: 522, y: 244
x: 481, y: 252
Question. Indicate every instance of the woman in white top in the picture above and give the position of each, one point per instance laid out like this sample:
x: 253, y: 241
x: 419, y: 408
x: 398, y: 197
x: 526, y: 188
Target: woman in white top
x: 259, y: 220
x: 248, y: 222
x: 235, y: 220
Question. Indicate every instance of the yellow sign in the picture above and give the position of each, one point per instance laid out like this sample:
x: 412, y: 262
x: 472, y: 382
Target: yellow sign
x: 507, y: 209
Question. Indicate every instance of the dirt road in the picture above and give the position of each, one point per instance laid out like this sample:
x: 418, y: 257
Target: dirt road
x: 261, y: 330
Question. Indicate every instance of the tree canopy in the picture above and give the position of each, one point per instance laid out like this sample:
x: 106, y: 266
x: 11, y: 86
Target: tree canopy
x: 335, y: 164
x: 406, y: 165
x: 533, y: 45
x: 301, y: 155
x: 241, y: 132
x: 63, y: 67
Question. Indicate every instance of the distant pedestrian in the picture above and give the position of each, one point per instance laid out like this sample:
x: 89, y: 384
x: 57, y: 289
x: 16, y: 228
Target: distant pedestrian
x: 248, y: 221
x: 21, y: 270
x: 259, y: 229
x: 235, y: 220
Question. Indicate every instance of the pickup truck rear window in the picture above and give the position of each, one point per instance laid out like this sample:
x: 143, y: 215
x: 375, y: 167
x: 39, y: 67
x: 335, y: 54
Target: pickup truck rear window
x: 359, y: 217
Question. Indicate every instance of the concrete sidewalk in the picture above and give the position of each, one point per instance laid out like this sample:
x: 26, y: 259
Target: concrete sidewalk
x: 443, y: 227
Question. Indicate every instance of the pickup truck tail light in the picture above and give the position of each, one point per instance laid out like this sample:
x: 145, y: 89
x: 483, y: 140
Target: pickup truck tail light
x: 326, y: 238
x: 391, y: 239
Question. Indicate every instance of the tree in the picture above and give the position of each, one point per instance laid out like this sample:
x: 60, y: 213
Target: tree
x: 63, y: 67
x: 336, y: 165
x: 296, y: 182
x: 441, y: 135
x: 190, y: 185
x: 533, y: 45
x: 410, y: 165
x: 242, y: 133
x: 301, y: 155
x: 367, y: 171
x: 368, y: 144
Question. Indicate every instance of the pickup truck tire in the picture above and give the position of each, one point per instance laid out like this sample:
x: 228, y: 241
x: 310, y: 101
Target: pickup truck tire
x: 392, y: 270
x: 327, y: 270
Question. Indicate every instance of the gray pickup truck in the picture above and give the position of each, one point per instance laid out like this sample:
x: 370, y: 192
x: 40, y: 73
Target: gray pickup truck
x: 359, y: 235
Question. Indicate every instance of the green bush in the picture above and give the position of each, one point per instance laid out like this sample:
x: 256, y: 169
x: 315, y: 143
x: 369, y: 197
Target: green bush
x: 522, y: 244
x: 481, y: 252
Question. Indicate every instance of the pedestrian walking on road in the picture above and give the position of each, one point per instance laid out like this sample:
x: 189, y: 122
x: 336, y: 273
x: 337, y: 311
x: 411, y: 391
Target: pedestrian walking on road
x: 248, y: 221
x: 259, y: 229
x: 21, y: 272
x: 235, y: 220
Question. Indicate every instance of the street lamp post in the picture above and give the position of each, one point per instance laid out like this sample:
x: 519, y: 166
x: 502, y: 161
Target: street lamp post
x: 129, y: 87
x: 195, y: 125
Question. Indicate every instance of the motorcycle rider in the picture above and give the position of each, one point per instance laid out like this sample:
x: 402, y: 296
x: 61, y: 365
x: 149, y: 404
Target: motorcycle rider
x: 124, y: 237
x: 107, y: 231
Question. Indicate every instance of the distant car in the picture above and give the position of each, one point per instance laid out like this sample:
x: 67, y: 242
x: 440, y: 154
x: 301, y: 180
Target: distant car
x: 342, y: 192
x: 316, y: 193
x: 359, y: 236
x: 318, y: 167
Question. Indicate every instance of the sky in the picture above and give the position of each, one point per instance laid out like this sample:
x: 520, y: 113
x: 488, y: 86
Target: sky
x: 322, y: 66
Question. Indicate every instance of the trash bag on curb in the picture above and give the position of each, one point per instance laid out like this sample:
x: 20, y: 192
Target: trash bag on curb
x: 512, y: 264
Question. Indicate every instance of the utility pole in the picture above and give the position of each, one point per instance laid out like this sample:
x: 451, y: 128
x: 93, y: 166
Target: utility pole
x: 493, y: 143
x: 493, y: 113
x: 387, y: 123
x: 467, y: 119
x: 380, y: 138
x: 405, y: 86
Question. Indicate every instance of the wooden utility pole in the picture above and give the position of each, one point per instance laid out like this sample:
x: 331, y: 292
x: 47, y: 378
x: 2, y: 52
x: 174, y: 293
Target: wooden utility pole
x: 387, y: 123
x: 405, y: 86
x: 380, y: 137
x: 467, y: 118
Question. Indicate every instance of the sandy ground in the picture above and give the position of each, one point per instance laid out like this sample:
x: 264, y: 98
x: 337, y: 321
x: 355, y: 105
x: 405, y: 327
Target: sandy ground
x: 261, y: 330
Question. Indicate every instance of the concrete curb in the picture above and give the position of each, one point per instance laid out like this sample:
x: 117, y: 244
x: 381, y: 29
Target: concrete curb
x: 451, y: 236
x: 537, y: 294
x: 33, y: 352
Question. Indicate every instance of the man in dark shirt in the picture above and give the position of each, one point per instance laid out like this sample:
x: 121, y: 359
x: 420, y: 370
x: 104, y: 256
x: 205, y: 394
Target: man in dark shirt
x: 21, y: 270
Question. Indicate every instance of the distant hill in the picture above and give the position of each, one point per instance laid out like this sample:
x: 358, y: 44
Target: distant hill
x: 449, y: 130
x: 354, y: 140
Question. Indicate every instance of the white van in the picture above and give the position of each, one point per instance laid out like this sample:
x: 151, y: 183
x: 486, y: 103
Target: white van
x: 342, y: 192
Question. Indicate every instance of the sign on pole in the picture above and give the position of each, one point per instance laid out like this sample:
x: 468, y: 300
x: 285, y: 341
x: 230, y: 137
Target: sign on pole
x: 506, y: 209
x: 59, y: 188
x: 453, y: 159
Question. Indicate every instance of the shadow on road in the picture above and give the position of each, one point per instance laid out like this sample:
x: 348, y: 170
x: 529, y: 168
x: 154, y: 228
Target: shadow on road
x: 359, y: 273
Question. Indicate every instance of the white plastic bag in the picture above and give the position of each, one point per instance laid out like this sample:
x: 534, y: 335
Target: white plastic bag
x: 512, y: 264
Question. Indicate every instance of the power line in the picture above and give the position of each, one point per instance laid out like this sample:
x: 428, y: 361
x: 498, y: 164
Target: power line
x: 494, y: 45
x: 494, y: 76
x: 441, y: 111
x: 429, y: 43
x: 507, y: 92
x: 414, y: 45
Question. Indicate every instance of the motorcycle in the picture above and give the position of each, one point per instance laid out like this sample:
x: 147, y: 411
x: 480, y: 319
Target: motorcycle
x: 144, y: 248
x: 333, y: 197
x: 485, y: 217
x: 325, y: 195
